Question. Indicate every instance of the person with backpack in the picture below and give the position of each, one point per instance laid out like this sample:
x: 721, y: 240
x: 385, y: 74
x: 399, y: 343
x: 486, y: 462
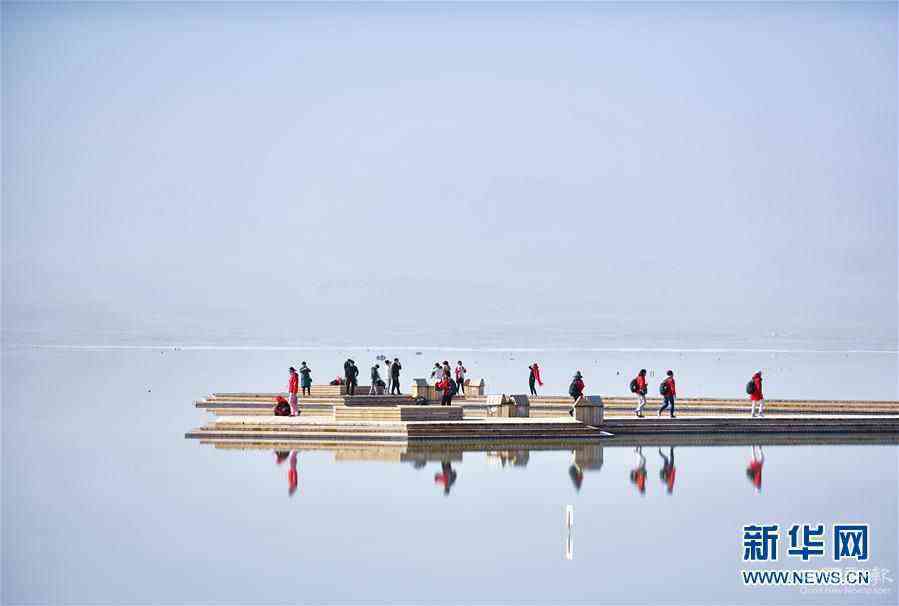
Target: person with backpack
x: 460, y: 376
x: 449, y: 388
x: 754, y: 389
x: 305, y: 379
x: 534, y: 377
x: 293, y: 386
x: 576, y: 390
x: 351, y: 373
x: 395, y: 369
x: 668, y: 391
x: 638, y: 387
x: 375, y: 380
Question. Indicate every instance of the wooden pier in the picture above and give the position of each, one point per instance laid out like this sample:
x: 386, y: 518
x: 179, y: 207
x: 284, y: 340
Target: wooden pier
x: 331, y: 416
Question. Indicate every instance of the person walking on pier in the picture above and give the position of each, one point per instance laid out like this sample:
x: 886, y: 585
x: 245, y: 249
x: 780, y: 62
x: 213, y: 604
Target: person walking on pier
x: 460, y: 376
x: 293, y: 386
x: 638, y: 386
x: 351, y: 373
x: 754, y: 387
x: 305, y: 379
x: 534, y: 378
x: 576, y: 390
x: 669, y: 392
x: 668, y: 470
x: 395, y: 369
x: 375, y: 380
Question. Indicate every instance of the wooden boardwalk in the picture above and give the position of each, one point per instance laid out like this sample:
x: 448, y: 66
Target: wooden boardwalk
x: 332, y: 417
x: 552, y: 406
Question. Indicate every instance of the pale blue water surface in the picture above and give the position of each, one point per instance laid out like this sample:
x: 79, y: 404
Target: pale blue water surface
x: 105, y: 501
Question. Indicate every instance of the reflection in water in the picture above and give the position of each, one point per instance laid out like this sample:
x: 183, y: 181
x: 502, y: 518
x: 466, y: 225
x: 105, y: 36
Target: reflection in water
x: 586, y: 458
x: 668, y: 470
x: 754, y: 471
x: 577, y: 476
x: 517, y: 458
x: 447, y: 477
x: 292, y: 475
x: 638, y: 474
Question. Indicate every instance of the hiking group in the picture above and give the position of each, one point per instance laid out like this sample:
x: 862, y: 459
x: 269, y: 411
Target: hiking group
x: 452, y: 381
x: 668, y: 391
x: 443, y: 379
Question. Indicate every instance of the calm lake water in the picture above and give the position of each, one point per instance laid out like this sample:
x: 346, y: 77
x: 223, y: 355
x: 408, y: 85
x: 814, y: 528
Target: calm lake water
x: 104, y: 501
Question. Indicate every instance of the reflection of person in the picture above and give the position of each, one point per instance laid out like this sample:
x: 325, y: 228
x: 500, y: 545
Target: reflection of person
x: 668, y: 469
x: 447, y: 477
x: 754, y: 470
x: 638, y: 474
x: 577, y: 476
x: 292, y: 477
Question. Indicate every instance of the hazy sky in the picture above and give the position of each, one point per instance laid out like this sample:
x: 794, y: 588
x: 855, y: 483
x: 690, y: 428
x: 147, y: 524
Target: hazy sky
x: 284, y: 172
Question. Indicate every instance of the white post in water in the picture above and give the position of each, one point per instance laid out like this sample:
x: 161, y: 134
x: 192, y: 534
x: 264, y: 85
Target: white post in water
x: 569, y: 524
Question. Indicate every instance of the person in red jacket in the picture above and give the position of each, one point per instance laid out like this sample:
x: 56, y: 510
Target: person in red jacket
x: 754, y: 470
x: 756, y: 395
x: 293, y: 386
x: 640, y: 384
x: 669, y: 391
x: 534, y: 378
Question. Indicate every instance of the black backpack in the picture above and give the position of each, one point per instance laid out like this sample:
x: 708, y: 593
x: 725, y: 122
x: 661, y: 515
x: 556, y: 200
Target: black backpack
x: 633, y: 385
x: 282, y: 409
x: 664, y: 388
x: 750, y: 387
x: 572, y: 390
x: 452, y: 388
